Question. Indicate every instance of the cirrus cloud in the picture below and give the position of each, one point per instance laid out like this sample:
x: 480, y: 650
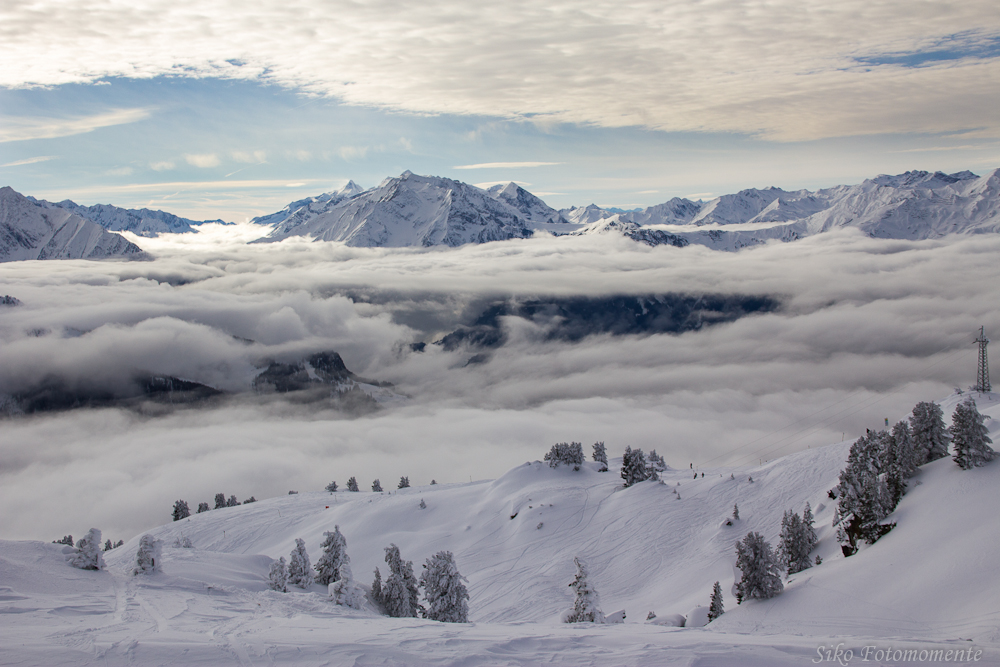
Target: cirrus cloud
x: 787, y: 70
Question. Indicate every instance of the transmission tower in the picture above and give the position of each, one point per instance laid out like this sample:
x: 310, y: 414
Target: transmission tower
x: 983, y: 375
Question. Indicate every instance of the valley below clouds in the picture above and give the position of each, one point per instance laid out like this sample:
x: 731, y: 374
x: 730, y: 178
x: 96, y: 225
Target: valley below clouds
x: 858, y: 330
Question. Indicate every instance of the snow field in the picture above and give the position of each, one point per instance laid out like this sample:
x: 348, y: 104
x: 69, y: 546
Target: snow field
x: 931, y: 582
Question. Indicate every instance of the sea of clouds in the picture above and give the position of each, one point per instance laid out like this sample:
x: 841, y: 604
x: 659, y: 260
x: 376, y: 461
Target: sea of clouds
x: 866, y: 328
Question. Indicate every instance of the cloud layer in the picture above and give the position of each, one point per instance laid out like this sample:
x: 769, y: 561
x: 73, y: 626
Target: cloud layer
x: 787, y: 70
x: 867, y: 328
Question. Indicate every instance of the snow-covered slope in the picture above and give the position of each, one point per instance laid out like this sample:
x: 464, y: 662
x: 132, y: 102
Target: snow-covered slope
x: 141, y: 222
x: 533, y: 209
x: 409, y: 211
x: 31, y: 231
x: 931, y: 583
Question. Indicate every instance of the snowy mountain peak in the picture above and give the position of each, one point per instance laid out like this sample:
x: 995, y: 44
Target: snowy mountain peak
x: 411, y: 210
x: 29, y: 230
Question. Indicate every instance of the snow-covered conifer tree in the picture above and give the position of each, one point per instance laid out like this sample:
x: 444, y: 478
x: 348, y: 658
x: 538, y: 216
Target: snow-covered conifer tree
x: 299, y: 568
x: 794, y: 547
x: 715, y: 608
x: 404, y: 483
x: 865, y: 499
x: 220, y: 501
x: 344, y: 590
x: 601, y: 456
x: 587, y: 605
x: 760, y: 568
x: 969, y: 436
x: 736, y: 512
x: 88, y: 555
x: 148, y: 557
x: 433, y: 482
x: 422, y: 505
x: 277, y: 577
x: 444, y: 592
x: 203, y: 507
x: 181, y: 510
x: 232, y: 502
x: 807, y: 528
x: 930, y: 437
x: 377, y: 486
x: 334, y: 556
x: 400, y: 594
x: 906, y: 449
x: 656, y: 465
x: 108, y: 546
x: 251, y: 499
x: 67, y: 539
x: 377, y: 587
x: 352, y: 484
x: 332, y: 486
x: 570, y: 453
x: 634, y: 467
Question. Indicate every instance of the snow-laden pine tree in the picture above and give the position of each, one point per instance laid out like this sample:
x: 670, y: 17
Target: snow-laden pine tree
x: 334, y: 556
x: 332, y: 486
x: 108, y: 546
x: 807, y: 527
x: 277, y: 577
x: 930, y: 437
x: 299, y: 568
x: 220, y: 501
x: 444, y: 592
x: 969, y: 436
x: 232, y: 502
x: 251, y: 499
x: 377, y: 486
x: 400, y: 594
x: 736, y: 512
x: 181, y: 510
x: 864, y: 498
x: 634, y: 467
x: 203, y: 507
x: 760, y: 568
x: 88, y: 555
x: 906, y: 449
x: 587, y: 604
x: 404, y: 483
x: 377, y: 588
x: 148, y: 557
x: 570, y: 453
x: 715, y: 608
x: 352, y: 484
x: 794, y: 548
x: 344, y: 590
x: 601, y: 456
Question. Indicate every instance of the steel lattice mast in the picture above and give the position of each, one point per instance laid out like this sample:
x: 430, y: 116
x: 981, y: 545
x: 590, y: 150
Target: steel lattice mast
x: 983, y: 375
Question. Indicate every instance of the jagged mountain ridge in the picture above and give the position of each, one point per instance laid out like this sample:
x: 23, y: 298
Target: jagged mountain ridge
x: 29, y: 230
x: 414, y: 210
x: 141, y: 222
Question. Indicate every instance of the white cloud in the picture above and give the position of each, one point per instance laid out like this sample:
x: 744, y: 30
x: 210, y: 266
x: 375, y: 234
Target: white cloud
x: 894, y: 328
x: 352, y: 152
x: 250, y: 157
x: 119, y: 171
x: 30, y: 160
x: 505, y: 165
x: 203, y: 161
x: 23, y: 128
x: 789, y: 69
x: 164, y: 165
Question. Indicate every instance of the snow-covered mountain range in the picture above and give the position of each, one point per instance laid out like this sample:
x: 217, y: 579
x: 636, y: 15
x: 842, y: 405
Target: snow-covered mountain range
x: 416, y: 210
x: 29, y: 230
x: 412, y: 210
x: 141, y: 222
x: 929, y: 585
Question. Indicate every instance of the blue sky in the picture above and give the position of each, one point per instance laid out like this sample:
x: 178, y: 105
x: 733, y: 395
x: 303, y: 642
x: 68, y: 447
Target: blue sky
x: 206, y: 112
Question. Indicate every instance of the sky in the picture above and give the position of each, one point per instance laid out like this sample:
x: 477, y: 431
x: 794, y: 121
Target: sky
x: 214, y: 109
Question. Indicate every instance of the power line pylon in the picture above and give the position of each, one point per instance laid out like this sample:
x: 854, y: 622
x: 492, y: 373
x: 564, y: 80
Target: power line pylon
x: 983, y: 375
